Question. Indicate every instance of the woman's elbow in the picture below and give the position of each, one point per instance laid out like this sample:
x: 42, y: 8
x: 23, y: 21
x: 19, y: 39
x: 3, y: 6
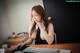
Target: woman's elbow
x: 50, y: 42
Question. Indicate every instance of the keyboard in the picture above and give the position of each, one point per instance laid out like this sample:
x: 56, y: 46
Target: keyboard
x: 42, y: 50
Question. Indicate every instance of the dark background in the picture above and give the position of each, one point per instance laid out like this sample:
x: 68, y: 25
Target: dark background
x: 65, y: 18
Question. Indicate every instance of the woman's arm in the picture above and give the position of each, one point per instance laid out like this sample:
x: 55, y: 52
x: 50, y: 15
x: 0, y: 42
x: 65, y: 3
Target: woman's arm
x: 30, y: 39
x: 49, y: 37
x: 25, y: 43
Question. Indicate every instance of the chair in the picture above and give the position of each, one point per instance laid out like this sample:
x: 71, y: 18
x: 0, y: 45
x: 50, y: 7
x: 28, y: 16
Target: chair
x: 55, y: 38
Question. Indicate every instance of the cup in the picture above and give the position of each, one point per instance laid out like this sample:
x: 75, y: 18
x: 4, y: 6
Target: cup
x: 5, y: 46
x: 2, y: 50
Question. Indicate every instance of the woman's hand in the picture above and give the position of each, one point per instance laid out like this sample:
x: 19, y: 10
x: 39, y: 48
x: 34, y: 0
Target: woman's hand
x: 21, y: 45
x: 40, y: 25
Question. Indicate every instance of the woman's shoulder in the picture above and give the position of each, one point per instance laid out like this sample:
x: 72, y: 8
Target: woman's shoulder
x: 50, y: 24
x: 30, y: 26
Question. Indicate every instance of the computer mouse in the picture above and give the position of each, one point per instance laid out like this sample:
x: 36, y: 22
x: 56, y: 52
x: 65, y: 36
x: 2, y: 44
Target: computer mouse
x: 18, y: 47
x: 23, y: 47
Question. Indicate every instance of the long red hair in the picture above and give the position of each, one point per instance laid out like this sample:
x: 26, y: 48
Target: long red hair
x: 39, y: 10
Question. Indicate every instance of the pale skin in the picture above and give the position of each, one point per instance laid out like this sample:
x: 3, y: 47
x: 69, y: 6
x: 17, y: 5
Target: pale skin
x: 44, y: 35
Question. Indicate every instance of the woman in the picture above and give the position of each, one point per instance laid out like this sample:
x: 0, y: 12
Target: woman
x: 41, y: 30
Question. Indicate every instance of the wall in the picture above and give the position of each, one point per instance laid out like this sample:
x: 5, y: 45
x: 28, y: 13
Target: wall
x: 16, y: 16
x: 19, y: 13
x: 65, y: 19
x: 4, y: 28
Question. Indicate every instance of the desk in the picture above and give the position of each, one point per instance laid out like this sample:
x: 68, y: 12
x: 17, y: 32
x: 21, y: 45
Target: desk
x: 74, y: 47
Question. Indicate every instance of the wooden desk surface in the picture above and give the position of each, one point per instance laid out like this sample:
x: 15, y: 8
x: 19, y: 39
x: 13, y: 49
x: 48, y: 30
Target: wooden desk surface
x: 17, y: 40
x: 74, y: 47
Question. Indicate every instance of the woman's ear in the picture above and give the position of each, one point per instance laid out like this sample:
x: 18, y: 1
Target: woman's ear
x: 41, y: 20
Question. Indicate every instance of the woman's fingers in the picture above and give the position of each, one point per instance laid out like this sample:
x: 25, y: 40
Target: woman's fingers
x: 34, y: 20
x: 22, y: 45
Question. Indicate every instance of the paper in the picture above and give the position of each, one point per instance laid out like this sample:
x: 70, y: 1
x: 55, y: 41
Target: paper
x: 64, y: 51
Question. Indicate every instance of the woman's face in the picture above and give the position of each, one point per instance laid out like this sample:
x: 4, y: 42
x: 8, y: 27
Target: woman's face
x: 35, y: 17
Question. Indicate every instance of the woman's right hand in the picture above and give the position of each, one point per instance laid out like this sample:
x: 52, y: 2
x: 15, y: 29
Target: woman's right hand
x: 21, y: 45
